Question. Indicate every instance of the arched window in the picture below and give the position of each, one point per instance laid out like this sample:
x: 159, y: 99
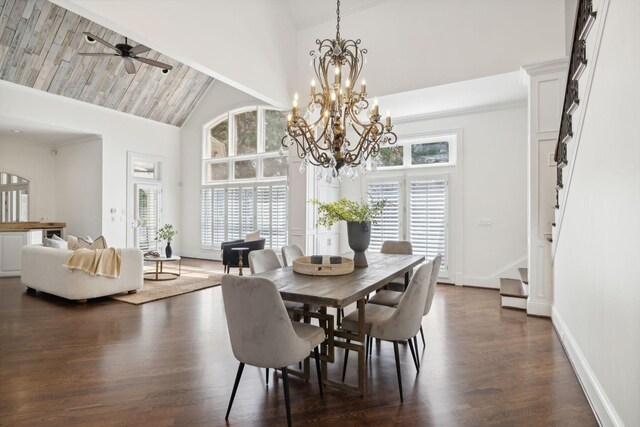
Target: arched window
x: 244, y: 178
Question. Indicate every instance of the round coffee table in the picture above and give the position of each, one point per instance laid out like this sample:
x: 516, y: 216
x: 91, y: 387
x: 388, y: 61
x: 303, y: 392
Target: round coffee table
x: 155, y: 275
x: 240, y: 265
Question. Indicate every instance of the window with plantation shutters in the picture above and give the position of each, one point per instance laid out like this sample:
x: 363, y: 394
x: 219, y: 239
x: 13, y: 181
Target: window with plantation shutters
x: 219, y: 216
x: 428, y: 218
x: 228, y: 213
x: 206, y: 217
x: 387, y: 225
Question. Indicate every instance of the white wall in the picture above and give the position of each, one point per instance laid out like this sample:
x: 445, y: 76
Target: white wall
x: 78, y: 187
x: 249, y: 44
x: 35, y: 163
x: 219, y: 99
x: 120, y: 133
x: 597, y: 259
x: 492, y: 175
x: 414, y: 44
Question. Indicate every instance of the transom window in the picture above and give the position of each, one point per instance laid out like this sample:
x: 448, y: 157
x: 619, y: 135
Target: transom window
x: 436, y: 151
x: 244, y: 178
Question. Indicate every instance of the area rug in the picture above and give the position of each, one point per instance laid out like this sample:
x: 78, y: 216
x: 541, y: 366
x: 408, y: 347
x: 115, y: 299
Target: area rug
x: 191, y: 280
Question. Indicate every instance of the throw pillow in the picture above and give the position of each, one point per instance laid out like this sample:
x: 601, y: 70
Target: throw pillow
x: 84, y: 242
x: 99, y: 243
x: 254, y: 235
x: 53, y: 243
x: 56, y: 237
x: 72, y: 242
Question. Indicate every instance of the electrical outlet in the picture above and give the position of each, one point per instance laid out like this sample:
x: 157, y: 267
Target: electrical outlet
x: 484, y: 223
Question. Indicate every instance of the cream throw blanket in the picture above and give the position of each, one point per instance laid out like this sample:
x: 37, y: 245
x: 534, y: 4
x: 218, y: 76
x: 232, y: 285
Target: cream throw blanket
x: 96, y: 262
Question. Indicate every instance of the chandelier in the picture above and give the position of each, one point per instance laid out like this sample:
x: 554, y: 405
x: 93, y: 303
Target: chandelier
x: 339, y: 127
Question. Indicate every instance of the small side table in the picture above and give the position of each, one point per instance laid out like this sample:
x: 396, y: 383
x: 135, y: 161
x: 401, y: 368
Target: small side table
x: 155, y: 275
x: 240, y: 265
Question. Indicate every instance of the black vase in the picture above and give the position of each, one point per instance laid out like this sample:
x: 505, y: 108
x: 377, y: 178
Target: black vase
x: 359, y: 236
x: 168, y: 251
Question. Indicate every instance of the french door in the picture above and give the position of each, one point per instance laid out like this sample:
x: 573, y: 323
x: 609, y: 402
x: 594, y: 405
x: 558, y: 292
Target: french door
x: 147, y: 211
x: 417, y: 210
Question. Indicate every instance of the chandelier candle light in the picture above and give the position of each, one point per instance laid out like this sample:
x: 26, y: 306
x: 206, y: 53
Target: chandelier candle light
x: 326, y: 134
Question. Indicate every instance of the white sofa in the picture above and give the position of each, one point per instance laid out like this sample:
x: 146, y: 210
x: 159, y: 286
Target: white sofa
x: 43, y: 269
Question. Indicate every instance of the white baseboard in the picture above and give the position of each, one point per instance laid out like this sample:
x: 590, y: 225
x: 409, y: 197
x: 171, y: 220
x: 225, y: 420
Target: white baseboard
x: 492, y: 281
x: 600, y: 404
x: 214, y: 255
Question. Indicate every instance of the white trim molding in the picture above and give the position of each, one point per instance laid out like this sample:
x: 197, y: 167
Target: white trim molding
x: 600, y: 403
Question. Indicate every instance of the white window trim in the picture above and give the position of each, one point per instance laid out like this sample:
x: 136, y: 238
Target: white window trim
x: 406, y: 141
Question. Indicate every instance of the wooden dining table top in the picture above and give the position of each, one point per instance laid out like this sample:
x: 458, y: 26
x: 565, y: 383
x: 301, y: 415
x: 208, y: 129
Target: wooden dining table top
x: 340, y: 291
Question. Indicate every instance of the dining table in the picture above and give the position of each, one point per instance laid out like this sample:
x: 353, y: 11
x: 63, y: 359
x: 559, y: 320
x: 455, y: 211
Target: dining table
x: 340, y: 291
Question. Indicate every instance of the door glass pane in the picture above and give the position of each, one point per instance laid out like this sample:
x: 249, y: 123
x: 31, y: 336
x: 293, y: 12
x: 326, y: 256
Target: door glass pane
x: 244, y: 169
x: 387, y: 224
x: 274, y: 167
x: 275, y: 126
x: 219, y: 140
x: 432, y: 152
x: 389, y: 156
x: 247, y: 132
x: 148, y: 217
x: 217, y: 171
x: 428, y: 218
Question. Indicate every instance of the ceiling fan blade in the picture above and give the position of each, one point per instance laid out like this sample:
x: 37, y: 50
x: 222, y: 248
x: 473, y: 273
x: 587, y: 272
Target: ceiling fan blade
x: 129, y: 66
x: 139, y: 49
x: 97, y: 54
x: 154, y: 63
x: 99, y: 40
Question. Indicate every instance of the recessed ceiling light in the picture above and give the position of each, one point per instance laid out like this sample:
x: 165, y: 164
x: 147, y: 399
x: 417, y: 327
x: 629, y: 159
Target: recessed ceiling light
x: 16, y: 131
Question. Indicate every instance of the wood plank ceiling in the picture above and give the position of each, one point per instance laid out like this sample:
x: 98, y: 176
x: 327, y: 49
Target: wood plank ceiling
x: 38, y: 46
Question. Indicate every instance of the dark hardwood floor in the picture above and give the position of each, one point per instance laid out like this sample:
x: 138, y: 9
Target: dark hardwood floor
x: 169, y: 363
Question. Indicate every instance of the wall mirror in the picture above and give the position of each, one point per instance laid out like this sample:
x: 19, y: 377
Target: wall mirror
x: 14, y: 198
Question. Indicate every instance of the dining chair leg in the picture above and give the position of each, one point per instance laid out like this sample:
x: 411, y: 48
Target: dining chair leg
x: 413, y: 354
x: 285, y: 382
x: 415, y: 345
x: 395, y: 350
x: 344, y: 362
x: 366, y: 347
x: 316, y: 353
x: 370, y: 346
x: 235, y: 388
x: 267, y: 376
x: 422, y: 335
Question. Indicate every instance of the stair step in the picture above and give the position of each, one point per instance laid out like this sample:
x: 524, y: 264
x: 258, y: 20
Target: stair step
x: 524, y: 274
x: 512, y: 288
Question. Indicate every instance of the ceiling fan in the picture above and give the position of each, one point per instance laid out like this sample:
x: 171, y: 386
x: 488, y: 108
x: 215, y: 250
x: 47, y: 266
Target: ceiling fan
x: 126, y: 52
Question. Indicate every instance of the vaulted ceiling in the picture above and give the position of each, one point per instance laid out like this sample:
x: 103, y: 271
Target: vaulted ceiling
x: 39, y: 42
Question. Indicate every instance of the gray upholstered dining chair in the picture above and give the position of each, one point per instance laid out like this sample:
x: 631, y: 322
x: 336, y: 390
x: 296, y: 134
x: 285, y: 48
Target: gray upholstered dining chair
x: 392, y: 298
x: 395, y: 324
x: 262, y: 334
x: 266, y: 260
x: 263, y: 260
x: 291, y: 252
x: 401, y: 247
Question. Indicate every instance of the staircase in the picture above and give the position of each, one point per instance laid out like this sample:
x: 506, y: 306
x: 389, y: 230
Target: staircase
x: 583, y: 53
x: 513, y: 292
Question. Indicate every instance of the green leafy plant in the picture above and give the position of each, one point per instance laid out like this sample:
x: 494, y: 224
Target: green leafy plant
x: 347, y: 210
x: 166, y: 233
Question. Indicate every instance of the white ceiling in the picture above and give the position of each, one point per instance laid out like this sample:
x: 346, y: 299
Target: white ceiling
x: 38, y: 133
x: 307, y: 13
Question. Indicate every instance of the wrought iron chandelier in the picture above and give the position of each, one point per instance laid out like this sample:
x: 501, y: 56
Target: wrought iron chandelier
x: 334, y: 131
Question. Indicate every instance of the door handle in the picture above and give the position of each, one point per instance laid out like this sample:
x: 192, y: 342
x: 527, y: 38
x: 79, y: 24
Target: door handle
x: 135, y: 223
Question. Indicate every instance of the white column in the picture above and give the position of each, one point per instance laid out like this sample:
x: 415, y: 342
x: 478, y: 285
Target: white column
x: 546, y: 82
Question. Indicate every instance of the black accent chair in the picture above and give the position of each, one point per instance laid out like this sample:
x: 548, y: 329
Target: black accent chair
x: 230, y: 258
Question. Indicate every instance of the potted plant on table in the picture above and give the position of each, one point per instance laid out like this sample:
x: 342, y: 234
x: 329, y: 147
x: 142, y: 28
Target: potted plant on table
x: 166, y: 233
x: 358, y: 215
